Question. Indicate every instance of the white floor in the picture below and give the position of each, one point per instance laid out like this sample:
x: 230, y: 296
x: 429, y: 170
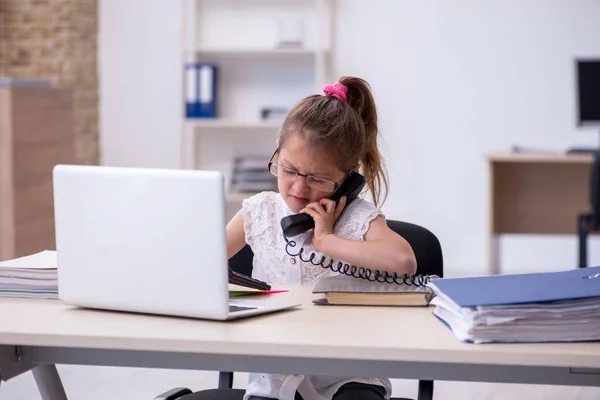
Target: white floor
x: 101, y: 383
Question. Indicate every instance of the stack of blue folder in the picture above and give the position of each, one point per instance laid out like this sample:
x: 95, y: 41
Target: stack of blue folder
x: 542, y: 307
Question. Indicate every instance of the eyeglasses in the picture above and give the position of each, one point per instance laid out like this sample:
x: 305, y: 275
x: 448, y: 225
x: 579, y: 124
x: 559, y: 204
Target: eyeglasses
x: 291, y: 175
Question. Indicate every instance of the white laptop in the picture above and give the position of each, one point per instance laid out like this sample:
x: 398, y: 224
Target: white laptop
x: 146, y: 240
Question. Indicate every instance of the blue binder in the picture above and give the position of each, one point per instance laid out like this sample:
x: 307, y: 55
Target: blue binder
x: 200, y: 90
x: 521, y: 288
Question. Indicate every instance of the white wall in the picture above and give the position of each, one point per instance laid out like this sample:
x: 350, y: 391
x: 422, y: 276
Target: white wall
x: 453, y: 80
x: 140, y: 84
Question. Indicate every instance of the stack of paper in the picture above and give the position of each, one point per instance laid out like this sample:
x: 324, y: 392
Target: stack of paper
x: 544, y: 307
x: 250, y: 174
x: 33, y: 276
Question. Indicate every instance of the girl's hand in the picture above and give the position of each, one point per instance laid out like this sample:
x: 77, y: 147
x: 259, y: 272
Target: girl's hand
x: 325, y: 213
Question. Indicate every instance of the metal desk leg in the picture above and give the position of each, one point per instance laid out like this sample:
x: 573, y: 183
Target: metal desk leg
x: 583, y: 228
x: 494, y: 254
x: 10, y: 363
x: 48, y: 382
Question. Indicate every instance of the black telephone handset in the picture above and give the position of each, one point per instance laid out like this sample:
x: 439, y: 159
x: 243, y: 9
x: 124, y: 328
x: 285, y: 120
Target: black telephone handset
x: 296, y: 224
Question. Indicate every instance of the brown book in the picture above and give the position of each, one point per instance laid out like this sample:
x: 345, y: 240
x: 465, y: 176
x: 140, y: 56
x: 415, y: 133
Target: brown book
x: 348, y: 290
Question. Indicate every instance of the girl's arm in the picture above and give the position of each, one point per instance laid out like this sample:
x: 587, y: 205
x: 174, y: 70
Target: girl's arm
x: 235, y: 234
x: 382, y: 248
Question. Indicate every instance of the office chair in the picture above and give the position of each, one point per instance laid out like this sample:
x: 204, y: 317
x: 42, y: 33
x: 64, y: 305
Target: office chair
x: 428, y: 253
x: 590, y: 222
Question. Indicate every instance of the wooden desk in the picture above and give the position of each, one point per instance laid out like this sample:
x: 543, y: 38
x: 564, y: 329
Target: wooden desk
x: 395, y: 342
x: 535, y: 194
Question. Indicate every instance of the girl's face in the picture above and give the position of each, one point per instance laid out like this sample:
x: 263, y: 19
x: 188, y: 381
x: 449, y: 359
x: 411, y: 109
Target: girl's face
x: 296, y: 156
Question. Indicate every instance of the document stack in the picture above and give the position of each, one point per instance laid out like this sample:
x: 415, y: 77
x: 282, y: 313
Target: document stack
x: 543, y: 307
x: 250, y: 174
x: 33, y: 276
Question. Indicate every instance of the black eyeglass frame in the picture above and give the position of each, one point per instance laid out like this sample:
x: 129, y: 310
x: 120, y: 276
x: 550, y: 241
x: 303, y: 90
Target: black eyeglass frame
x: 306, y: 176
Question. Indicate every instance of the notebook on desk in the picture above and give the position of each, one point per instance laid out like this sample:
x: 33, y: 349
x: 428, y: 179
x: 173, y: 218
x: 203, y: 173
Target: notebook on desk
x: 348, y: 290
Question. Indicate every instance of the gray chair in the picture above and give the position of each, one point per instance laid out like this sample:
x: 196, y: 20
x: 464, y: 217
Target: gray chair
x: 428, y: 252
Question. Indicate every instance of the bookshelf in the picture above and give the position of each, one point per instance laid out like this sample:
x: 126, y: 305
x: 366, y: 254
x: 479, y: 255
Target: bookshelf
x: 258, y: 67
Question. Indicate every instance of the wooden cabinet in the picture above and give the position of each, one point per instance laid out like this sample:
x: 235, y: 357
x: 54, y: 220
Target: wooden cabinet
x: 36, y: 133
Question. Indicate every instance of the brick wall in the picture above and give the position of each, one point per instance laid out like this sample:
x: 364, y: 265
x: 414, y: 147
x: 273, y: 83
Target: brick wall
x: 57, y: 40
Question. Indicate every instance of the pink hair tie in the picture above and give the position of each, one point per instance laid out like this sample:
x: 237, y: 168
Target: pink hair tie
x: 336, y: 90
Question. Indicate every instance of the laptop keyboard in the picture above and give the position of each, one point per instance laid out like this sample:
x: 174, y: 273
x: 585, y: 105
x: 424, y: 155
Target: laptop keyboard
x: 240, y: 308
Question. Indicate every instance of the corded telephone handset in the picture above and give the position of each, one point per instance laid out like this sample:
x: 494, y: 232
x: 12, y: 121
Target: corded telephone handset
x: 296, y: 224
x: 293, y: 225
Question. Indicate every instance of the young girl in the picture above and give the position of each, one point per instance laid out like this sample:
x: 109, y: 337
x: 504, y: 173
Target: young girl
x: 322, y: 140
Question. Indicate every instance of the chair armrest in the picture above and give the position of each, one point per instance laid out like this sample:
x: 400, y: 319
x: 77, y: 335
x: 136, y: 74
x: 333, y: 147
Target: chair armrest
x: 174, y: 394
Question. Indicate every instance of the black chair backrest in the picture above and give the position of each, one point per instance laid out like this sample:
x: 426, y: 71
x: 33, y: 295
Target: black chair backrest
x: 595, y: 190
x: 241, y: 262
x: 426, y: 246
x: 424, y: 243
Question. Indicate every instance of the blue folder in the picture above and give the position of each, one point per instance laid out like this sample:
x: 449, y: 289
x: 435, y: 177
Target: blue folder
x: 521, y: 288
x: 200, y: 90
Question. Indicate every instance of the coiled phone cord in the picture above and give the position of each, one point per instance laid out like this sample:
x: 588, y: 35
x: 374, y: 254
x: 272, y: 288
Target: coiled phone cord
x: 359, y: 272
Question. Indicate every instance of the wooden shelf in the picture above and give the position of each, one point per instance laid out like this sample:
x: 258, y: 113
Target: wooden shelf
x: 220, y: 123
x: 540, y: 158
x: 262, y: 52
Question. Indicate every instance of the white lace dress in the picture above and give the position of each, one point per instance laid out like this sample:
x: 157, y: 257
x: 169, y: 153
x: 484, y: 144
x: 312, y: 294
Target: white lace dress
x: 262, y: 215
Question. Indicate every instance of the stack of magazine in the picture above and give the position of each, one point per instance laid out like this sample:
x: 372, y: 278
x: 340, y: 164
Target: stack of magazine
x: 33, y: 276
x: 251, y: 174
